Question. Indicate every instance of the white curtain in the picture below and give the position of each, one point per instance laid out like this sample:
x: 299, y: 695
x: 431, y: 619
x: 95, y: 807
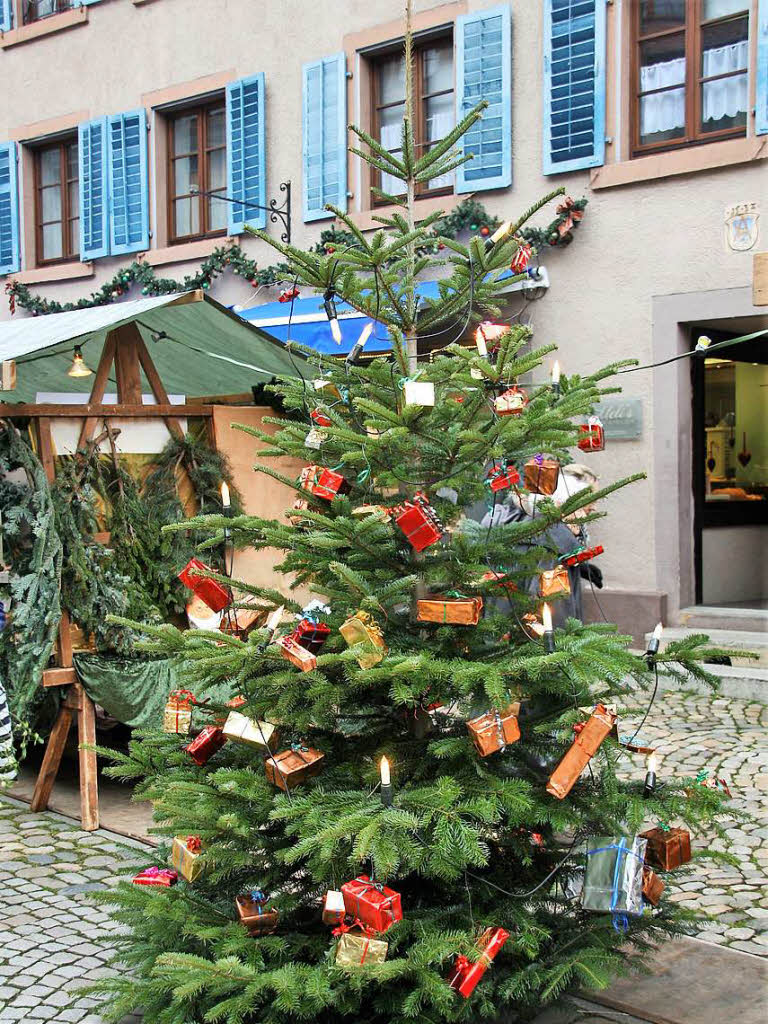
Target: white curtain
x: 441, y: 122
x: 727, y: 97
x: 390, y: 138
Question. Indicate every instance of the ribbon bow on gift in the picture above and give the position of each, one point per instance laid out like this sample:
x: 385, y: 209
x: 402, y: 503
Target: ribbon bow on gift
x: 259, y: 898
x: 343, y: 928
x: 702, y: 776
x: 156, y: 872
x: 182, y: 698
x: 193, y: 844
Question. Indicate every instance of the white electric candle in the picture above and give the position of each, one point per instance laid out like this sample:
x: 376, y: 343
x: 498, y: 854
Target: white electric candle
x: 652, y: 762
x: 658, y: 631
x: 386, y: 779
x: 556, y: 374
x: 225, y: 499
x: 365, y: 334
x: 274, y: 618
x: 335, y: 330
x: 501, y: 232
x: 546, y: 618
x: 482, y: 348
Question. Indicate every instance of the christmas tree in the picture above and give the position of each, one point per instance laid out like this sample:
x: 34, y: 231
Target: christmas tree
x: 386, y: 836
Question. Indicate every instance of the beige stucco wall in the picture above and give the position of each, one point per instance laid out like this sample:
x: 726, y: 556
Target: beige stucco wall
x: 637, y: 242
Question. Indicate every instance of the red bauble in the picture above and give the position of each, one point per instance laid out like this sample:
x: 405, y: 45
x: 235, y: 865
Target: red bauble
x: 485, y: 231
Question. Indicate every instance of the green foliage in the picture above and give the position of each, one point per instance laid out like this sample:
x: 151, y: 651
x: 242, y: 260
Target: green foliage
x: 457, y: 840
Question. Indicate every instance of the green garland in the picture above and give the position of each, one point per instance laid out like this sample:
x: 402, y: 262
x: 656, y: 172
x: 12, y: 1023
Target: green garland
x: 469, y: 215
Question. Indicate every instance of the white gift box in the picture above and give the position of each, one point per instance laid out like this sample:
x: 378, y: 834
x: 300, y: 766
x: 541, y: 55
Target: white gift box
x: 419, y: 392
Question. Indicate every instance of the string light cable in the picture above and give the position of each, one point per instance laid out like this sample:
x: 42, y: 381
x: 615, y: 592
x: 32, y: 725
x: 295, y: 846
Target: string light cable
x: 703, y: 352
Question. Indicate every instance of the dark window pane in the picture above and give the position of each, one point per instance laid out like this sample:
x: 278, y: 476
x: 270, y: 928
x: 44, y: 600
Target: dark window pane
x: 724, y: 49
x: 657, y: 15
x: 72, y: 169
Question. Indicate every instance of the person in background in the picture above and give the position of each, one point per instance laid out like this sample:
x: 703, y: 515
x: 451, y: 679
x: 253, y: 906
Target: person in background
x: 559, y: 539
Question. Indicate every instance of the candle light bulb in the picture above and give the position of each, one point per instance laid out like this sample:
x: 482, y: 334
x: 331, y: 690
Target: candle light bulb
x: 499, y: 234
x: 386, y: 779
x: 658, y: 631
x: 556, y: 374
x: 225, y: 499
x: 652, y: 762
x: 335, y: 329
x: 359, y: 345
x: 482, y: 348
x: 651, y: 765
x: 273, y: 620
x: 546, y: 618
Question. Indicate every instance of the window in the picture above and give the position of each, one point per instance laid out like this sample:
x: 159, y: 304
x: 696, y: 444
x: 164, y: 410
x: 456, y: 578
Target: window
x: 434, y: 113
x: 36, y: 10
x: 197, y: 166
x: 689, y: 72
x: 57, y: 208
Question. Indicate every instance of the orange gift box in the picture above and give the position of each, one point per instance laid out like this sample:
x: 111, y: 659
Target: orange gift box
x: 296, y: 654
x: 291, y: 767
x: 453, y: 611
x: 586, y: 744
x: 541, y: 475
x: 494, y: 731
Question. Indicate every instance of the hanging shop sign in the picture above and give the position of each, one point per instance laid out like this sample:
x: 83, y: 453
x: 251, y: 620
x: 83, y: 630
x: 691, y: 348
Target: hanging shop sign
x: 742, y: 226
x: 622, y: 418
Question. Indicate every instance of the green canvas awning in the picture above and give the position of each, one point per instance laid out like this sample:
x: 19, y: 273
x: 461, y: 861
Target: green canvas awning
x: 198, y: 346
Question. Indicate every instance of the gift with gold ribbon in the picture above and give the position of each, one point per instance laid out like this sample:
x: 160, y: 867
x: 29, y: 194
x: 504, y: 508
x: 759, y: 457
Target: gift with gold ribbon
x: 357, y: 946
x: 363, y: 628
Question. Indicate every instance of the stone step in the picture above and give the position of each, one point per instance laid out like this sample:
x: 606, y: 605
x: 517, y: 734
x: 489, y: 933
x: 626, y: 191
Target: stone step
x: 735, y: 681
x: 733, y: 639
x: 703, y: 617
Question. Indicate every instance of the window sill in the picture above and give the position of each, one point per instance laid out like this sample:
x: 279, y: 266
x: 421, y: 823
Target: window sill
x: 46, y: 26
x: 186, y: 251
x: 682, y: 161
x: 364, y: 219
x: 56, y: 272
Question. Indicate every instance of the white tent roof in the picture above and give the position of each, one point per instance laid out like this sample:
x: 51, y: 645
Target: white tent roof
x: 32, y: 334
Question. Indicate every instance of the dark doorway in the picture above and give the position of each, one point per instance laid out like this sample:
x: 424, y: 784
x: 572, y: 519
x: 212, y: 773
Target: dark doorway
x: 730, y: 471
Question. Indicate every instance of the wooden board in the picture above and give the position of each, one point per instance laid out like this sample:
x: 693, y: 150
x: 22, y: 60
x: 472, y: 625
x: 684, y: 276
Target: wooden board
x: 59, y: 677
x: 117, y: 412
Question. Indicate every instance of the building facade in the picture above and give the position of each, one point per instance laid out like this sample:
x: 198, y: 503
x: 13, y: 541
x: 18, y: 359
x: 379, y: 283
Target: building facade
x: 126, y: 121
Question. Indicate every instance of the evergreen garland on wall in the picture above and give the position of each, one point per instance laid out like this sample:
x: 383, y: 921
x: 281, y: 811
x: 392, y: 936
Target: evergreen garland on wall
x: 469, y: 216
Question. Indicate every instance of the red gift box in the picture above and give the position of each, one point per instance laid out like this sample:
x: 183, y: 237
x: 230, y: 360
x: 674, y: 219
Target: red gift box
x: 323, y: 482
x: 466, y: 974
x: 212, y: 593
x: 594, y: 439
x: 320, y: 418
x: 419, y: 522
x: 205, y: 744
x: 582, y: 555
x: 501, y: 479
x: 156, y: 876
x: 311, y: 635
x: 372, y: 903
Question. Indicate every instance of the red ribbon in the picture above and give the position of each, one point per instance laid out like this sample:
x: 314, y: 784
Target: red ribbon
x: 343, y: 928
x: 194, y: 844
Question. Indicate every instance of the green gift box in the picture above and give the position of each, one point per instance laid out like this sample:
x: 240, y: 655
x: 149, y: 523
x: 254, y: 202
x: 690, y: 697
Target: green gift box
x: 613, y: 882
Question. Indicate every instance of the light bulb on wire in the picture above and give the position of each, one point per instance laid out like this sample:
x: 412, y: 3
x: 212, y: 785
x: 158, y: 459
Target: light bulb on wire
x: 332, y: 314
x: 549, y: 633
x: 357, y: 348
x: 386, y: 782
x: 79, y: 367
x: 499, y: 234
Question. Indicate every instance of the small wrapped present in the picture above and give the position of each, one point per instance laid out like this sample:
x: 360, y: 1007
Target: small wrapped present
x: 703, y: 780
x: 453, y: 611
x: 419, y: 392
x: 290, y: 768
x: 668, y: 848
x: 510, y: 402
x: 296, y: 654
x: 613, y: 881
x: 369, y: 510
x: 205, y: 744
x: 584, y: 746
x: 214, y: 594
x: 254, y: 913
x: 315, y: 439
x: 323, y: 482
x: 363, y: 628
x: 372, y: 903
x: 311, y: 635
x: 243, y: 729
x: 294, y: 513
x: 185, y: 856
x: 488, y: 336
x: 358, y: 948
x: 653, y: 886
x: 320, y: 418
x: 541, y: 475
x: 495, y: 730
x: 466, y: 974
x: 554, y: 581
x: 177, y: 716
x: 326, y: 388
x: 498, y: 578
x: 580, y: 555
x: 522, y: 258
x: 419, y: 522
x: 502, y: 479
x: 333, y: 907
x: 156, y: 876
x: 594, y: 435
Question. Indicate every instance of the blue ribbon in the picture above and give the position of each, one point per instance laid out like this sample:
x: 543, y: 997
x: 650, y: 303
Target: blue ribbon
x: 258, y: 897
x: 620, y: 920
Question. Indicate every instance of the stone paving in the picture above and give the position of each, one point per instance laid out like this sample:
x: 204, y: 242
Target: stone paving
x: 52, y: 938
x: 728, y: 737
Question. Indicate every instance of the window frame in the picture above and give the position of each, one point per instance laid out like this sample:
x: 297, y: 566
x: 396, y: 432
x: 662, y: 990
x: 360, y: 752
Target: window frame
x: 70, y: 246
x: 692, y: 32
x: 61, y: 7
x: 420, y: 43
x: 201, y: 110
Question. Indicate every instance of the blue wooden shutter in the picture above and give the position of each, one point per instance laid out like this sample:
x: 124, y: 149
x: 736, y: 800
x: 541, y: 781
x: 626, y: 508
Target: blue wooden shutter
x: 574, y: 84
x: 6, y: 15
x: 761, y: 79
x: 86, y: 3
x: 128, y: 185
x: 325, y: 136
x: 246, y: 153
x: 94, y: 190
x: 10, y: 260
x: 484, y: 72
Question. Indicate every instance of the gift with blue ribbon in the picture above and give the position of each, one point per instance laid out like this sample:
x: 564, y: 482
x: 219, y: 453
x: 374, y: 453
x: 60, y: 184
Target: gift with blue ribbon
x: 613, y: 882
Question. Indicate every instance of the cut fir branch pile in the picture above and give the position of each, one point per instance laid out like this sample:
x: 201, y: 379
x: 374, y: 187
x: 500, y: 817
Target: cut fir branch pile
x: 458, y: 839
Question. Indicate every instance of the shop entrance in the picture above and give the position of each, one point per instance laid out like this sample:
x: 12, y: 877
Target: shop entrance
x: 730, y: 471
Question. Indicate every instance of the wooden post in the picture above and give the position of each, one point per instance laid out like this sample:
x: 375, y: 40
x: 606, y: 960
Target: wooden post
x: 89, y: 779
x: 51, y: 761
x: 99, y: 387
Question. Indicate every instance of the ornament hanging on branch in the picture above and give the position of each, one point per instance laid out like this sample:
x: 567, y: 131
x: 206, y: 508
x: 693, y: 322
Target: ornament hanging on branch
x: 299, y: 656
x: 185, y: 856
x: 667, y: 848
x: 582, y: 555
x: 584, y: 747
x: 467, y: 974
x: 290, y: 768
x: 419, y: 522
x: 521, y: 259
x: 363, y: 628
x: 255, y: 915
x: 154, y: 876
x: 334, y: 910
x: 541, y: 475
x: 613, y: 880
x: 357, y: 947
x: 503, y: 478
x: 594, y: 439
x: 177, y: 717
x: 372, y: 903
x: 494, y: 731
x: 511, y: 402
x: 448, y: 609
x: 554, y: 581
x: 210, y: 591
x: 207, y: 742
x: 323, y: 482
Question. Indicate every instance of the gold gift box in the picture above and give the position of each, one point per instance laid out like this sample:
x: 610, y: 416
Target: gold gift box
x: 363, y: 628
x: 186, y: 861
x: 357, y: 949
x: 243, y: 729
x: 554, y: 581
x: 177, y: 718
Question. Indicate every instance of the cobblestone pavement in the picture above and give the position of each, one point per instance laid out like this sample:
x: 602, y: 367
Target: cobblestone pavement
x: 728, y: 737
x: 52, y: 937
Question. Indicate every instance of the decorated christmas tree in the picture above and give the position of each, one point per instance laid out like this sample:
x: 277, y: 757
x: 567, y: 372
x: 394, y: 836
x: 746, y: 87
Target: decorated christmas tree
x: 410, y: 809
